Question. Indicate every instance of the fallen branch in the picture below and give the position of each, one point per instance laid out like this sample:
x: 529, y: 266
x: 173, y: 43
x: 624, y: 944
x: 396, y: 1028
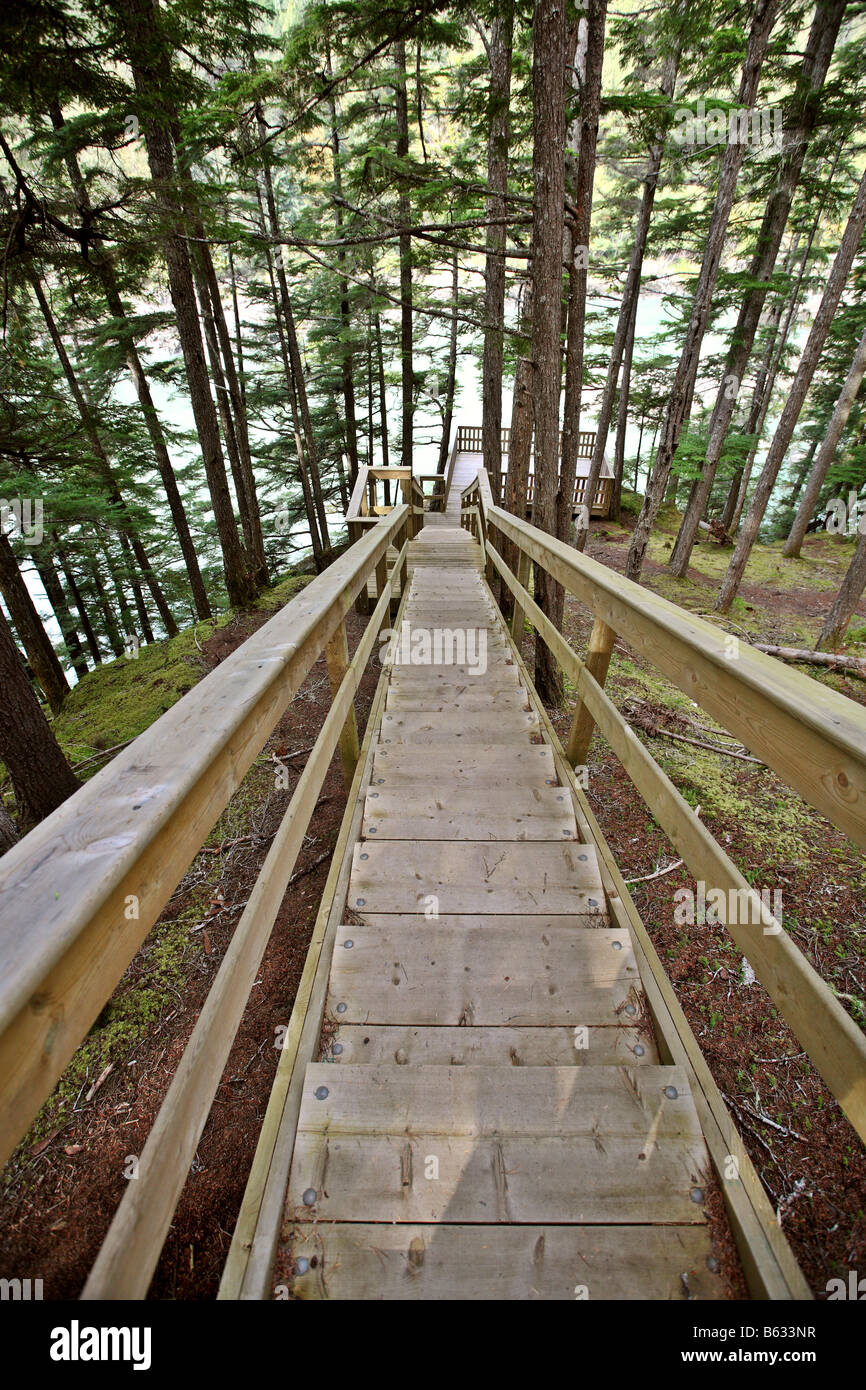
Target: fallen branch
x: 713, y: 747
x: 854, y: 665
x: 659, y: 873
x: 103, y: 753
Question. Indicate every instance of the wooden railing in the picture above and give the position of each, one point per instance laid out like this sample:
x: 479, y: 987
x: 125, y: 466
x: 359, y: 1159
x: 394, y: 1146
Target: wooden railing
x: 812, y: 737
x: 470, y: 441
x: 601, y: 502
x: 79, y: 894
x: 365, y: 506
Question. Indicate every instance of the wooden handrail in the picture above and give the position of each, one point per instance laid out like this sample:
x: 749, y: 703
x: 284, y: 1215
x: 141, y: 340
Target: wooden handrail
x: 79, y: 894
x: 765, y: 704
x: 131, y: 1249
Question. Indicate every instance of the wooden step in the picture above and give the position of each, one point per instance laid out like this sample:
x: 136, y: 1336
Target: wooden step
x: 530, y: 813
x: 462, y: 698
x: 498, y: 671
x: 486, y: 977
x: 619, y: 1145
x: 458, y: 726
x: 361, y: 1260
x: 401, y: 1045
x: 475, y: 765
x: 508, y: 877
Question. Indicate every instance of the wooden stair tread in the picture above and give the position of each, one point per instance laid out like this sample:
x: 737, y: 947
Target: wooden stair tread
x: 531, y: 813
x: 375, y: 1044
x: 487, y: 976
x: 509, y: 1263
x: 471, y: 876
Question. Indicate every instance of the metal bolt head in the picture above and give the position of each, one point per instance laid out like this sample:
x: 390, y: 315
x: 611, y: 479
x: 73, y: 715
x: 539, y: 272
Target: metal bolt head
x: 617, y: 945
x: 671, y: 1092
x: 309, y: 1197
x: 321, y: 1093
x: 697, y: 1195
x: 638, y: 1050
x: 337, y: 1049
x: 359, y: 902
x: 341, y: 1008
x: 348, y: 945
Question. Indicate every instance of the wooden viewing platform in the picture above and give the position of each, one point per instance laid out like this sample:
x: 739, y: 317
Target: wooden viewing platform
x: 487, y: 1087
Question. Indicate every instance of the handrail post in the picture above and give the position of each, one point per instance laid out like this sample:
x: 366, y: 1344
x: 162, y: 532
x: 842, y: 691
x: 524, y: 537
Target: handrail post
x: 517, y: 621
x: 601, y: 644
x: 337, y: 658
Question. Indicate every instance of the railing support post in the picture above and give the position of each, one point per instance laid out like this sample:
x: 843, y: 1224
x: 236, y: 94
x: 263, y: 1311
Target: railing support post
x: 337, y: 657
x: 517, y: 622
x: 601, y: 643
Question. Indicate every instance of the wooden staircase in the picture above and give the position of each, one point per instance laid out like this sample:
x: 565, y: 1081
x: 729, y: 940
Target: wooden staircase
x: 488, y: 1117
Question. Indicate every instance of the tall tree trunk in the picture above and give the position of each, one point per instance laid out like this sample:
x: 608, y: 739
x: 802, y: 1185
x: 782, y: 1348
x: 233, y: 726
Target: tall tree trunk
x: 832, y: 634
x: 499, y: 126
x: 371, y: 430
x: 347, y: 357
x: 761, y: 398
x: 451, y: 383
x: 78, y: 599
x: 298, y: 388
x: 151, y: 68
x: 28, y: 624
x: 300, y: 450
x: 827, y: 452
x: 548, y: 178
x: 796, y: 396
x: 41, y: 777
x: 680, y: 401
x: 801, y: 118
x: 622, y: 420
x: 8, y: 833
x: 383, y: 404
x: 105, y: 273
x: 405, y: 213
x: 253, y: 524
x: 226, y: 415
x: 623, y: 338
x: 128, y: 531
x: 115, y: 640
x: 577, y: 277
x: 44, y: 562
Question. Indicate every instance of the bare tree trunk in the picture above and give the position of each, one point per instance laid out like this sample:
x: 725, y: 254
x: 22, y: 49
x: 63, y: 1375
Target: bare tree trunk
x: 298, y: 388
x: 623, y: 339
x: 151, y: 69
x: 548, y: 177
x: 451, y: 383
x: 622, y: 420
x: 44, y: 562
x: 105, y: 273
x: 827, y: 452
x: 801, y: 119
x: 28, y: 624
x: 680, y: 401
x: 78, y: 599
x: 8, y: 833
x: 796, y: 396
x: 832, y: 634
x: 41, y: 777
x: 406, y: 311
x: 128, y: 531
x: 383, y: 404
x: 499, y: 128
x: 347, y: 369
x: 577, y: 273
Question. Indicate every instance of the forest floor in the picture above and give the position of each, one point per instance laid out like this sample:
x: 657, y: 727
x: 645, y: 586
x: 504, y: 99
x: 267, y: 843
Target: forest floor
x: 66, y: 1178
